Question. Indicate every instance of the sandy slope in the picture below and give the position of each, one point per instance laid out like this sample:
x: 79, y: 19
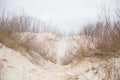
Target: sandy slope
x: 14, y: 66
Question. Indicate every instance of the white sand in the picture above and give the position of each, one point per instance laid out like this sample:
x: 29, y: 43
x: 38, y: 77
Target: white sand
x: 14, y: 66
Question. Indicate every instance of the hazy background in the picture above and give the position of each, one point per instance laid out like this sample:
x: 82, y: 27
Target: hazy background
x: 67, y: 15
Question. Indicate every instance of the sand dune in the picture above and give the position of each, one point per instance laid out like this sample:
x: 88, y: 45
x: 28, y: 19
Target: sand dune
x: 58, y: 58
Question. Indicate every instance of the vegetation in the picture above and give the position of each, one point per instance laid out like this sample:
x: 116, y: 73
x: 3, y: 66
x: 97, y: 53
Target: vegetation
x: 106, y: 30
x: 11, y: 25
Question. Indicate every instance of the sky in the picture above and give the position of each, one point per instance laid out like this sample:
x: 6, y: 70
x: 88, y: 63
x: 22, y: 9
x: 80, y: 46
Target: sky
x: 66, y: 15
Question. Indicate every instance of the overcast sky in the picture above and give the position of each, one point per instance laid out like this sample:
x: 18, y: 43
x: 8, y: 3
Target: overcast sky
x: 68, y: 15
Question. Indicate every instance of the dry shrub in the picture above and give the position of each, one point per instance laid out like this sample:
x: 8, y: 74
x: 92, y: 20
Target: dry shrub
x: 107, y: 32
x: 14, y: 24
x: 11, y: 25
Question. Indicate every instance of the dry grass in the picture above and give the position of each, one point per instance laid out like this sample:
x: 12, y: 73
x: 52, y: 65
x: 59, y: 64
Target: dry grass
x: 107, y: 33
x: 10, y: 25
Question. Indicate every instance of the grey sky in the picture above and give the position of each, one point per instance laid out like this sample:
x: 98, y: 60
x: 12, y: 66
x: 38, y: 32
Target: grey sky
x: 68, y: 15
